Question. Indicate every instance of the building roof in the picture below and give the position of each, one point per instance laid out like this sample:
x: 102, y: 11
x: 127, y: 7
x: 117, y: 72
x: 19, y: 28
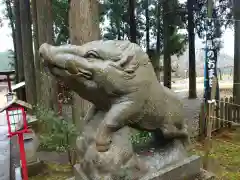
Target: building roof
x: 6, y: 61
x: 16, y: 101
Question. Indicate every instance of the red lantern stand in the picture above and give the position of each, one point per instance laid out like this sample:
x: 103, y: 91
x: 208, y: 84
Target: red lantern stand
x: 17, y: 125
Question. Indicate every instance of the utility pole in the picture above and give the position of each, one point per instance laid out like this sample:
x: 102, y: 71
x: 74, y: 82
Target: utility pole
x: 236, y: 77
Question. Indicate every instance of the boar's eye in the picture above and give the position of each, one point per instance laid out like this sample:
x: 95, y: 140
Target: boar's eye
x: 92, y: 54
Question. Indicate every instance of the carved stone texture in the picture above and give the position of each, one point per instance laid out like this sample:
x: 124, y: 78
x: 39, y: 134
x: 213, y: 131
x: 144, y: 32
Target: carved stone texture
x: 118, y: 78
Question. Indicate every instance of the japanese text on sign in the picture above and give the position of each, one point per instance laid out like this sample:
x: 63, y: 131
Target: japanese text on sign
x: 211, y: 62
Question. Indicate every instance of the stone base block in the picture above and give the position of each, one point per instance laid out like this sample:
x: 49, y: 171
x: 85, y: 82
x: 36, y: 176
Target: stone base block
x: 31, y: 144
x: 204, y: 175
x: 188, y: 169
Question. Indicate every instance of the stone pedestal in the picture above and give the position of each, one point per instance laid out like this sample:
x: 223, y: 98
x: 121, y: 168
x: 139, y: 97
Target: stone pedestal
x: 31, y: 143
x: 187, y: 169
x: 166, y: 161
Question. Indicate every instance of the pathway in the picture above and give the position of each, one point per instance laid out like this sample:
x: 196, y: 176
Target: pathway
x: 192, y: 106
x: 4, y: 144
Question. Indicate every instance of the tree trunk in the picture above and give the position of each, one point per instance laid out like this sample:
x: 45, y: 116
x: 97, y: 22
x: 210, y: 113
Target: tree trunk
x: 192, y: 61
x: 147, y: 25
x: 132, y: 21
x: 36, y: 47
x: 87, y: 13
x: 27, y: 48
x: 119, y: 34
x: 18, y: 51
x: 166, y: 53
x: 13, y: 28
x: 118, y: 23
x: 157, y: 68
x: 48, y: 91
x: 236, y: 78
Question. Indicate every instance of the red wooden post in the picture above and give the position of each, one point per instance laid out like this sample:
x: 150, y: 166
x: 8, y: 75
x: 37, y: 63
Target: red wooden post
x: 9, y: 83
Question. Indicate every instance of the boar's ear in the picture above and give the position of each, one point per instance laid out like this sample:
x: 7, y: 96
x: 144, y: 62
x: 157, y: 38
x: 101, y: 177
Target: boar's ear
x: 125, y: 61
x: 126, y: 65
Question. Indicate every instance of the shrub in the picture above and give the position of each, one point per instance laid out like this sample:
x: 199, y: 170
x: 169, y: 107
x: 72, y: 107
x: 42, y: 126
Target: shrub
x: 56, y: 133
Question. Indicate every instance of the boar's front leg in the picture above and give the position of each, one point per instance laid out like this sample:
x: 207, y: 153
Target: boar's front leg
x: 115, y: 119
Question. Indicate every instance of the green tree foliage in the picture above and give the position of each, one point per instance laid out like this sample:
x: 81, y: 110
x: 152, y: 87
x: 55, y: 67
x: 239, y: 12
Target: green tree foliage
x: 221, y: 12
x: 176, y: 22
x: 60, y: 18
x: 118, y: 16
x: 57, y: 134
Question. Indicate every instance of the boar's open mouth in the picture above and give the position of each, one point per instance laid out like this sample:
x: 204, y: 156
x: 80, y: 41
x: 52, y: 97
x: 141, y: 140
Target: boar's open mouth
x: 72, y: 70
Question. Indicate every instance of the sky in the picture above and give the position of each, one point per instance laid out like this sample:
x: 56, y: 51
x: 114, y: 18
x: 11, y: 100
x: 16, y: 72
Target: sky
x: 6, y: 39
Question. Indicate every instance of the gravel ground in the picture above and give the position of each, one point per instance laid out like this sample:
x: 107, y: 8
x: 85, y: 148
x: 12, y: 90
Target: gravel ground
x: 191, y: 111
x: 192, y: 108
